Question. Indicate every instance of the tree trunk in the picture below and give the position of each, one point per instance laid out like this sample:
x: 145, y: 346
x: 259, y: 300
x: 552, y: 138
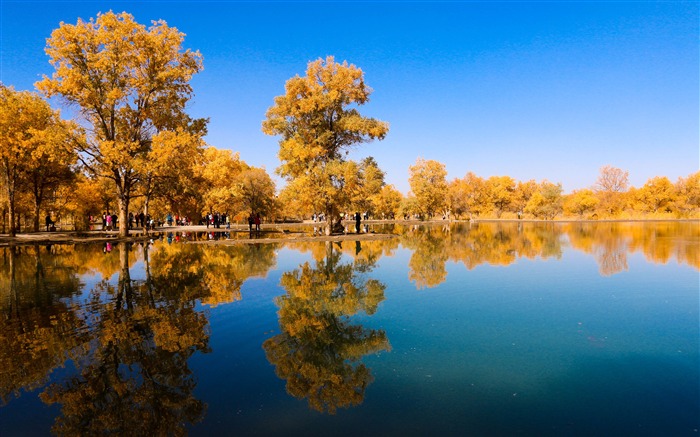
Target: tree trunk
x: 146, y: 201
x: 329, y: 224
x: 38, y: 193
x: 37, y: 209
x: 13, y: 228
x: 123, y: 216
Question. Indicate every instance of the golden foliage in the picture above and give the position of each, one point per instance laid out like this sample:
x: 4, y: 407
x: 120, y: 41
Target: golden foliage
x: 129, y: 82
x: 318, y: 121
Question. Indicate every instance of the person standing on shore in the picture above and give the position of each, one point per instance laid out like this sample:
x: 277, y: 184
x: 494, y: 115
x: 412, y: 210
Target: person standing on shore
x: 358, y: 219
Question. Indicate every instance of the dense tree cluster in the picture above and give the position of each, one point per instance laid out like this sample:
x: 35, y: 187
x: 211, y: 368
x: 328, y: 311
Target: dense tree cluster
x: 133, y: 148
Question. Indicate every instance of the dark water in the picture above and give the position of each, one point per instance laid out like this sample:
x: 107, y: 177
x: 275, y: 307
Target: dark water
x: 493, y: 329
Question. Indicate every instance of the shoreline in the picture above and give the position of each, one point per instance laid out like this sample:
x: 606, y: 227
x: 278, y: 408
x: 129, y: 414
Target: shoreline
x: 87, y: 237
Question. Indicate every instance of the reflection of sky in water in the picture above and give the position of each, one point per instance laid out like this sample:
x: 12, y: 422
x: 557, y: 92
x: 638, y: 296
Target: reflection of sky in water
x: 551, y: 346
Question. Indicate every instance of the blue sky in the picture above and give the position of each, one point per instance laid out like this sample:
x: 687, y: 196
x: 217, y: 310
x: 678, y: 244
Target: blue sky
x: 533, y: 90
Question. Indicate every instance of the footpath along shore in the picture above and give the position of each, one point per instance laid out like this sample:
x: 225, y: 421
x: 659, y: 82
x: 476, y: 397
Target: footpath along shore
x: 269, y: 233
x: 238, y: 233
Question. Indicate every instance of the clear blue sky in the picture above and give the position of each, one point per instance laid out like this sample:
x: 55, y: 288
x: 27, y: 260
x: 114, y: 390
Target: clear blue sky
x: 534, y: 90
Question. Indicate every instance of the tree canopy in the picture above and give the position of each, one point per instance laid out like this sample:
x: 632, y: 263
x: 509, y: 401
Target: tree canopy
x: 318, y: 121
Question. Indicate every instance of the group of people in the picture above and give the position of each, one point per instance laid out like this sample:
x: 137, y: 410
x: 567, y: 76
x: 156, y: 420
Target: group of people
x: 217, y: 219
x: 177, y: 220
x: 110, y: 221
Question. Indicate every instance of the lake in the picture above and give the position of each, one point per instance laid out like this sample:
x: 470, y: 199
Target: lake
x: 483, y: 329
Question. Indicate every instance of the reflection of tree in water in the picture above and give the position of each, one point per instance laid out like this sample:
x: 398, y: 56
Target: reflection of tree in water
x: 212, y: 274
x: 427, y: 263
x: 130, y: 341
x: 135, y: 378
x: 319, y: 350
x: 38, y: 326
x: 473, y: 245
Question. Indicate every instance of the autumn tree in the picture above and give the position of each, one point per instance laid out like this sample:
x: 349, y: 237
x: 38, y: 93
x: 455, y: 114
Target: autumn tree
x: 318, y: 121
x: 501, y: 191
x: 36, y: 150
x: 387, y: 202
x: 129, y: 83
x: 612, y: 182
x: 83, y: 199
x: 523, y: 193
x: 580, y: 202
x: 656, y: 195
x: 546, y: 202
x: 688, y: 193
x: 370, y: 181
x: 168, y: 168
x: 457, y: 197
x: 428, y: 185
x: 257, y: 191
x: 221, y: 171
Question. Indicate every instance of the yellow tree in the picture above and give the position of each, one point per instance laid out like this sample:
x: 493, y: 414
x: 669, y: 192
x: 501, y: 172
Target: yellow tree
x: 388, y: 202
x: 501, y: 190
x: 580, y: 202
x: 428, y: 185
x: 477, y: 194
x: 523, y: 193
x: 457, y: 197
x: 546, y: 202
x: 168, y: 170
x: 221, y: 171
x: 657, y: 195
x: 318, y: 121
x: 688, y: 193
x: 612, y: 182
x: 35, y: 151
x: 83, y: 199
x: 129, y: 82
x: 257, y: 191
x: 370, y: 182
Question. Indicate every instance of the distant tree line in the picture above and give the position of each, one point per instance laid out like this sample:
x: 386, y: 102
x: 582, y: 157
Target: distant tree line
x: 133, y: 147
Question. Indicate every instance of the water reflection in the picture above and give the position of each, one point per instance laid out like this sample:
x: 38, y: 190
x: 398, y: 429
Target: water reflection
x: 501, y: 244
x: 134, y: 378
x: 319, y: 351
x: 38, y: 325
x: 122, y: 322
x: 128, y: 340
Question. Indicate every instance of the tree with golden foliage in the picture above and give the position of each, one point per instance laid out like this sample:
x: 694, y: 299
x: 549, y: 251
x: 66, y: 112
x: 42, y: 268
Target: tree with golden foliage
x: 688, y: 194
x: 36, y: 150
x: 318, y: 122
x: 501, y: 191
x: 387, y: 203
x: 581, y: 202
x: 129, y: 82
x: 610, y: 187
x: 429, y: 186
x: 258, y: 191
x: 546, y: 202
x: 218, y: 170
x: 657, y: 195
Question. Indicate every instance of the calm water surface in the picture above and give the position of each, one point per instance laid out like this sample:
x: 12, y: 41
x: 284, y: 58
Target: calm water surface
x: 489, y: 329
